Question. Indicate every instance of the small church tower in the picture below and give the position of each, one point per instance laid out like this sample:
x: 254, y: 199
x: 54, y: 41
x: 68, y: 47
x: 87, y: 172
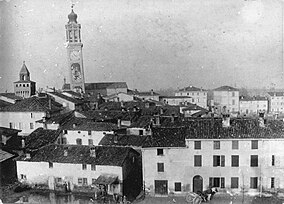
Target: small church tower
x: 24, y: 87
x: 74, y: 53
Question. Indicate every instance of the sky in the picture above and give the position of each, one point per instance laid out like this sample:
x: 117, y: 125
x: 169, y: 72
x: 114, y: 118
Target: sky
x: 150, y: 44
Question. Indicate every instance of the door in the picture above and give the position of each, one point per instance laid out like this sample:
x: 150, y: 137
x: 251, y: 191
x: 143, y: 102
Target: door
x: 161, y: 187
x: 197, y: 183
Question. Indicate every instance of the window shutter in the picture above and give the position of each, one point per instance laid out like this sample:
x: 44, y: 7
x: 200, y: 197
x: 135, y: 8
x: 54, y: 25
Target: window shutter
x: 210, y: 181
x: 222, y: 182
x: 222, y: 160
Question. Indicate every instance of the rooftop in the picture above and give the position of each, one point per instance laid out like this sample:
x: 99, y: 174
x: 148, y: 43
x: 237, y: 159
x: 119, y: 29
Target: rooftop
x: 67, y: 98
x: 253, y: 98
x: 191, y: 88
x: 123, y: 140
x: 33, y: 104
x: 41, y: 137
x: 80, y: 154
x: 226, y: 88
x: 166, y: 137
x: 276, y: 93
x: 11, y: 96
x: 5, y: 155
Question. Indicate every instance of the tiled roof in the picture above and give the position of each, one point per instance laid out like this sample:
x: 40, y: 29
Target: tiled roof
x: 5, y: 155
x: 147, y: 93
x: 80, y: 154
x: 253, y: 98
x: 24, y: 69
x: 67, y: 98
x: 33, y: 104
x: 41, y: 137
x: 173, y: 97
x: 88, y: 124
x: 8, y: 131
x: 105, y: 85
x: 211, y: 128
x: 191, y: 88
x: 123, y: 140
x: 4, y: 103
x: 226, y: 88
x: 276, y: 93
x: 11, y: 96
x: 166, y: 137
x: 59, y: 118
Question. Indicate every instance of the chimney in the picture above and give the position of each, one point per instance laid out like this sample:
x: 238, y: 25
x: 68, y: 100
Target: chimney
x: 93, y: 152
x: 161, y: 111
x: 49, y: 103
x: 173, y: 118
x: 261, y: 121
x: 119, y: 123
x: 134, y: 108
x: 74, y: 125
x: 226, y: 120
x: 115, y: 138
x: 23, y: 143
x: 28, y: 156
x: 65, y: 151
x: 152, y: 92
x: 158, y: 120
x: 64, y: 80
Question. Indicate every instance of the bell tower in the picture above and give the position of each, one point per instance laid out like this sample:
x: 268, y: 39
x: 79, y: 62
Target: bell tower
x: 74, y: 53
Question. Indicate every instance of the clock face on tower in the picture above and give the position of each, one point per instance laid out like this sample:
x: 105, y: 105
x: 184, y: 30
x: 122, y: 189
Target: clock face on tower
x: 76, y: 72
x: 75, y: 55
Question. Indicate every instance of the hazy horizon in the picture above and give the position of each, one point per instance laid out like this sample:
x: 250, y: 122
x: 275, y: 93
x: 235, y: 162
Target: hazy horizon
x: 150, y: 44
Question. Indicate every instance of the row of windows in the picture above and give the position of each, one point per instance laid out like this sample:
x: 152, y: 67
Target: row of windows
x: 219, y: 160
x: 192, y: 93
x: 66, y: 132
x: 24, y: 85
x: 235, y: 144
x: 21, y: 126
x: 84, y: 166
x: 219, y: 182
x: 79, y: 141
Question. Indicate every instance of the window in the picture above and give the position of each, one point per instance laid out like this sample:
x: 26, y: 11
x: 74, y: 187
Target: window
x: 197, y: 144
x: 254, y: 144
x: 31, y: 126
x: 79, y: 132
x: 218, y: 160
x: 235, y: 160
x: 197, y: 160
x: 93, y: 181
x: 272, y: 182
x: 216, y: 144
x: 93, y: 167
x: 24, y: 85
x: 178, y: 186
x: 254, y: 160
x: 253, y: 182
x: 160, y: 167
x: 140, y: 132
x: 64, y: 140
x: 11, y: 125
x: 273, y: 160
x: 23, y: 176
x: 233, y: 94
x: 84, y: 166
x: 79, y: 141
x: 58, y: 180
x: 217, y: 182
x: 80, y: 181
x: 233, y: 102
x: 20, y: 125
x: 234, y: 182
x: 160, y: 152
x: 235, y: 144
x: 65, y: 132
x: 85, y: 181
x: 50, y: 165
x: 89, y: 132
x: 27, y: 85
x: 90, y: 141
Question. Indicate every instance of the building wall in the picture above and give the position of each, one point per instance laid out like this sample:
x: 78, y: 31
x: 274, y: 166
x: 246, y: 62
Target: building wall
x: 230, y: 99
x: 65, y: 103
x: 179, y: 165
x: 115, y: 91
x: 24, y: 89
x: 198, y: 97
x: 177, y: 101
x: 149, y: 97
x: 276, y: 104
x: 96, y: 136
x: 253, y: 107
x: 39, y: 172
x: 21, y: 120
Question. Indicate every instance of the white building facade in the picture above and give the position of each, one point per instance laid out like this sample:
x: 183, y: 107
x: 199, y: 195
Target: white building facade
x: 198, y: 95
x: 226, y: 98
